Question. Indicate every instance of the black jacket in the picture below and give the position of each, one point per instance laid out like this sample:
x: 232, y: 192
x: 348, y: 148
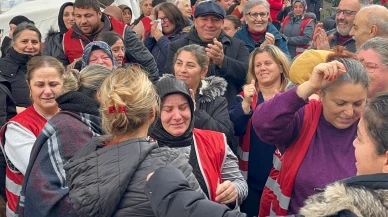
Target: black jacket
x: 7, y: 111
x: 109, y: 181
x: 234, y: 67
x: 171, y: 196
x: 5, y: 46
x: 53, y: 45
x: 13, y: 68
x: 349, y: 44
x: 365, y: 195
x: 7, y: 105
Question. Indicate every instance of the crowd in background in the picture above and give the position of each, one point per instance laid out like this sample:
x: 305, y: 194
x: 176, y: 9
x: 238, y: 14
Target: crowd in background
x: 197, y: 108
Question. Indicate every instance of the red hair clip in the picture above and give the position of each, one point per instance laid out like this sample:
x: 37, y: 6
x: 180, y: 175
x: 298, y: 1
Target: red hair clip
x: 122, y: 109
x: 111, y: 109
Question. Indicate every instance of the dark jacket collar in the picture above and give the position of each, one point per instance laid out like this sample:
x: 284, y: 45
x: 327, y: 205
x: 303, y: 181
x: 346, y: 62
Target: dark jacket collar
x: 349, y: 44
x: 18, y: 58
x: 193, y: 36
x: 375, y: 181
x: 78, y: 102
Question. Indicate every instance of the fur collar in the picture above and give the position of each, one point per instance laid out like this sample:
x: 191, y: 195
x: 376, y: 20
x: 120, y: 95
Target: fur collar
x: 52, y: 32
x: 186, y: 29
x: 209, y: 89
x: 339, y: 196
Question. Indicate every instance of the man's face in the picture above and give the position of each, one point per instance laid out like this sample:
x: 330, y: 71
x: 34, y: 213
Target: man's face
x: 344, y: 20
x: 377, y: 70
x: 87, y: 20
x: 208, y: 27
x: 361, y: 30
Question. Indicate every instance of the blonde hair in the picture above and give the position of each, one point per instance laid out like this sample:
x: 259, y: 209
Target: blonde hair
x: 278, y: 56
x: 129, y: 88
x: 87, y: 81
x: 70, y: 81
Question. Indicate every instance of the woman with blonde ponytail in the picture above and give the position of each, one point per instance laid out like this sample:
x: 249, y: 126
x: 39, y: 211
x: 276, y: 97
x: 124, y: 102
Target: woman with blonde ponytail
x: 111, y: 170
x: 63, y: 135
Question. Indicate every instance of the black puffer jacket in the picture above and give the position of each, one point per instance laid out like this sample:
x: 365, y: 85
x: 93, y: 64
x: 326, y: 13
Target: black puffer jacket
x: 13, y: 68
x: 109, y: 181
x: 234, y: 66
x: 171, y: 196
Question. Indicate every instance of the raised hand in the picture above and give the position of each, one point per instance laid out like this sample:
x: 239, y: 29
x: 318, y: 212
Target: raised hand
x: 249, y: 91
x: 269, y: 39
x: 155, y: 32
x: 215, y: 52
x: 320, y: 39
x: 322, y: 75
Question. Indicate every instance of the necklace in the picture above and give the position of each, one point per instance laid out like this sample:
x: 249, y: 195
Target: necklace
x: 267, y: 97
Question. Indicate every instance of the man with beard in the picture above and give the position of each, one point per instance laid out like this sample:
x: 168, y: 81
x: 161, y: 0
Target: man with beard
x: 370, y: 22
x: 345, y: 14
x: 89, y: 22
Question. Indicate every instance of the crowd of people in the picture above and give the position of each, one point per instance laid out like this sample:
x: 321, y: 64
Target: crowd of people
x: 196, y: 108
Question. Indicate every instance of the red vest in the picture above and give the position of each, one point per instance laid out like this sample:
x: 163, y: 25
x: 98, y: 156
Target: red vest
x: 244, y: 144
x: 74, y: 47
x: 299, y: 48
x: 147, y: 25
x: 277, y: 192
x: 211, y: 153
x: 33, y: 122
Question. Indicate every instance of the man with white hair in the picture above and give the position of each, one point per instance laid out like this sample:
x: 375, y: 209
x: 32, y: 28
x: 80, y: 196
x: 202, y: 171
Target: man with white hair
x: 370, y: 22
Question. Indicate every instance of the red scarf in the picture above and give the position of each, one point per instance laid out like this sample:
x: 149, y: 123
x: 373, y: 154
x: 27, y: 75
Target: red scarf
x: 256, y: 36
x: 342, y: 39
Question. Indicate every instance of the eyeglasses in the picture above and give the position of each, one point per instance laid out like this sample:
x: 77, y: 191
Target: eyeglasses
x: 263, y: 15
x: 163, y: 19
x: 371, y: 66
x: 346, y: 12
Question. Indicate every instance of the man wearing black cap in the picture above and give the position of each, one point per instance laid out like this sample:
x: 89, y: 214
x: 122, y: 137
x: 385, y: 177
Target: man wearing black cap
x: 228, y: 56
x: 13, y: 23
